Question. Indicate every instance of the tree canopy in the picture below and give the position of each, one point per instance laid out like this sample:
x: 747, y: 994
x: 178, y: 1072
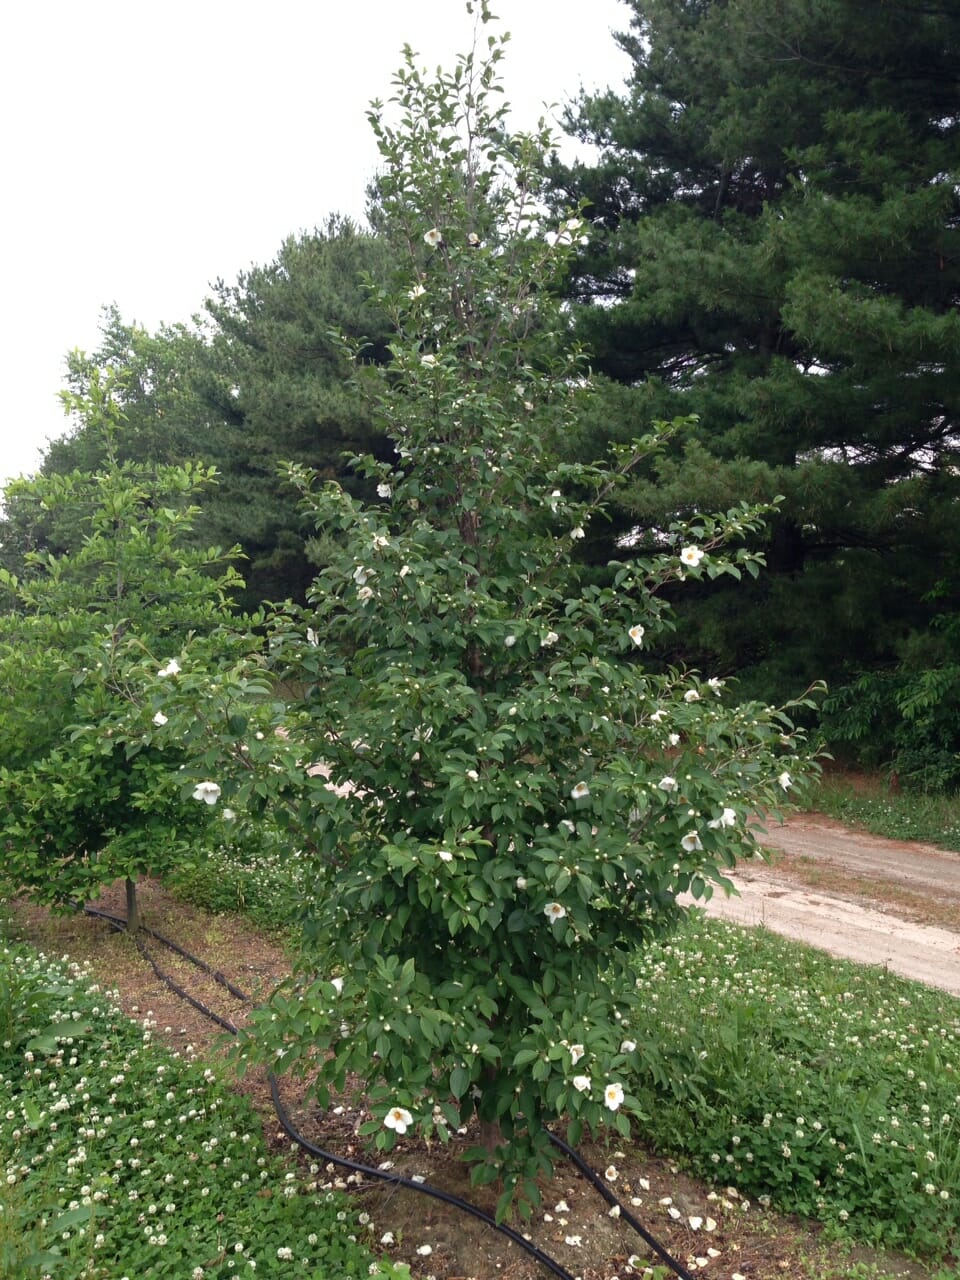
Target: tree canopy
x: 776, y: 250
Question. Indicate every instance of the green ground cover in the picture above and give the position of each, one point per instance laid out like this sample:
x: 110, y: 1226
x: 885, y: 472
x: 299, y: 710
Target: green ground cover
x: 872, y: 805
x: 122, y: 1160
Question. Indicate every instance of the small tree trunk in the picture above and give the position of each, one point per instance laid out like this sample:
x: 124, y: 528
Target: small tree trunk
x: 133, y: 908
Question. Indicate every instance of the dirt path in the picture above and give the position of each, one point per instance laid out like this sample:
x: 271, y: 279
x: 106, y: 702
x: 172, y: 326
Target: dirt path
x: 855, y: 895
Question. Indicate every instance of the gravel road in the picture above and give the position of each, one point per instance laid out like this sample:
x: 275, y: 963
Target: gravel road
x: 860, y: 921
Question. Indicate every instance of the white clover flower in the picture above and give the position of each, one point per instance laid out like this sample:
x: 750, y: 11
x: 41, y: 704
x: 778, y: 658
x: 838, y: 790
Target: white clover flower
x: 576, y: 1053
x: 691, y: 556
x: 581, y: 1084
x: 208, y: 792
x: 428, y: 360
x: 433, y: 237
x: 171, y: 669
x: 667, y: 784
x: 580, y: 791
x: 628, y: 1046
x: 416, y: 292
x: 398, y: 1118
x: 691, y: 842
x: 159, y: 719
x: 384, y: 491
x: 554, y: 911
x: 577, y: 533
x: 785, y: 780
x: 613, y: 1096
x: 444, y: 855
x: 550, y: 638
x: 285, y: 1253
x: 691, y: 696
x: 636, y: 634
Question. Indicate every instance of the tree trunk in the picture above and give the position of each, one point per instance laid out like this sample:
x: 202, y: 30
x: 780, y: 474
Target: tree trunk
x: 133, y: 908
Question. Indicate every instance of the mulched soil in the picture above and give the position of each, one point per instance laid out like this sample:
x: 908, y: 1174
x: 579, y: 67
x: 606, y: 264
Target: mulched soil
x: 745, y: 1240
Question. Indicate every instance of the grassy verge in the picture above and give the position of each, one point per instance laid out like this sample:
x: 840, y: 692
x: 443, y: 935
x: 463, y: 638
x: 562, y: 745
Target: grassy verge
x: 122, y: 1160
x: 823, y: 1088
x: 869, y: 803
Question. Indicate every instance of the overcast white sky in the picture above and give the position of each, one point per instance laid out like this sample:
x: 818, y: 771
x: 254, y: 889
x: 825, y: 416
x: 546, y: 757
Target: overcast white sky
x: 149, y: 148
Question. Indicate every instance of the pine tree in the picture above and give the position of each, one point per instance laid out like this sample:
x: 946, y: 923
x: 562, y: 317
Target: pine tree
x: 776, y: 250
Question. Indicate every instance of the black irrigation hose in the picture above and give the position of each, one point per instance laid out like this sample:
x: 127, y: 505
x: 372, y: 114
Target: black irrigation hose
x: 424, y: 1188
x: 593, y: 1177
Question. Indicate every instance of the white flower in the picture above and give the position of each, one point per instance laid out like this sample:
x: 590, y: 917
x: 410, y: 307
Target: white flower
x: 227, y: 815
x: 691, y: 696
x: 521, y: 882
x: 691, y: 556
x: 384, y: 491
x: 473, y: 775
x: 380, y: 541
x: 581, y: 1084
x: 312, y: 638
x: 577, y: 533
x: 613, y: 1096
x: 365, y: 594
x: 509, y: 641
x: 428, y: 360
x: 667, y: 784
x: 554, y: 498
x: 444, y: 855
x: 785, y: 780
x: 171, y: 669
x: 285, y: 1253
x: 691, y: 842
x: 398, y: 1118
x: 433, y: 237
x: 550, y: 638
x: 580, y: 791
x: 576, y: 1053
x: 628, y: 1046
x: 657, y: 716
x: 360, y: 575
x: 159, y: 719
x: 387, y: 1238
x: 715, y: 684
x: 554, y: 911
x: 727, y: 819
x: 636, y: 634
x: 472, y: 238
x: 416, y: 292
x: 425, y: 1250
x: 337, y: 984
x: 673, y: 739
x: 208, y: 792
x: 404, y: 570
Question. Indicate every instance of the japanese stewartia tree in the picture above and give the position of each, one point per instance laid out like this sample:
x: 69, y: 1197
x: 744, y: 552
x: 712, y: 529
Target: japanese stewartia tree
x: 88, y: 775
x: 506, y: 803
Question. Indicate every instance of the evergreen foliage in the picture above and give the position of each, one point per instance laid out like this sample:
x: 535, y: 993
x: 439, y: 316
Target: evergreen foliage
x: 776, y: 249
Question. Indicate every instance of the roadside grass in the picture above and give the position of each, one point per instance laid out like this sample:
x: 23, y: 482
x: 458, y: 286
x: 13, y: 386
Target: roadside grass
x: 820, y: 1087
x: 124, y: 1161
x: 868, y: 802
